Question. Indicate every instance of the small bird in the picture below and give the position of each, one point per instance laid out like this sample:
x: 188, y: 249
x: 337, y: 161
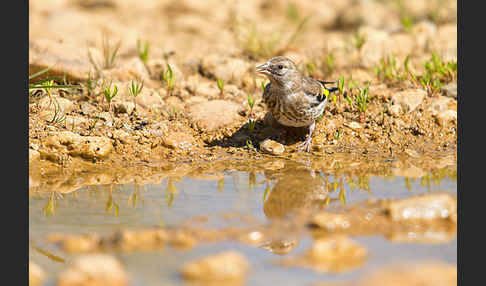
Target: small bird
x: 293, y: 99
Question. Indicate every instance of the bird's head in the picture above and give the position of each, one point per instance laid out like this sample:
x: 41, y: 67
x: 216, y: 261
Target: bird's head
x: 280, y: 70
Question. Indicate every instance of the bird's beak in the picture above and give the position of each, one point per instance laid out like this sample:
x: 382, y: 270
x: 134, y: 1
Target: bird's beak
x: 263, y: 69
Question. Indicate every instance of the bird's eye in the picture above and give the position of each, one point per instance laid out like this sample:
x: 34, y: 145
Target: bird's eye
x: 280, y: 67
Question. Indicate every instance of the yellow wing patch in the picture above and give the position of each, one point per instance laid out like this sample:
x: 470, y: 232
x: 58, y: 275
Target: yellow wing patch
x: 324, y: 91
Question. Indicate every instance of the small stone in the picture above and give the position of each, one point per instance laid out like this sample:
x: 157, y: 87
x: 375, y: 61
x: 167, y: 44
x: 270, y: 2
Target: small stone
x: 63, y: 59
x: 33, y: 155
x: 280, y: 246
x: 140, y: 240
x: 51, y: 103
x: 334, y: 248
x: 224, y: 266
x: 121, y: 135
x: 36, y: 274
x: 214, y: 114
x: 231, y: 70
x: 409, y: 99
x: 80, y: 243
x: 94, y: 269
x: 87, y: 108
x: 444, y: 42
x: 333, y: 253
x: 395, y: 110
x: 124, y: 107
x: 179, y: 141
x: 331, y: 221
x: 446, y: 116
x: 181, y: 239
x: 373, y: 48
x: 450, y: 90
x: 272, y: 147
x: 195, y: 99
x: 353, y: 125
x: 423, y: 207
x: 173, y: 102
x: 423, y: 31
x: 129, y: 69
x: 54, y: 108
x: 207, y: 90
x: 87, y: 147
x: 149, y: 98
x: 440, y: 104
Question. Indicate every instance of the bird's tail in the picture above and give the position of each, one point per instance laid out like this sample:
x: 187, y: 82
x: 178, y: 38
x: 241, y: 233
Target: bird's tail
x: 332, y: 89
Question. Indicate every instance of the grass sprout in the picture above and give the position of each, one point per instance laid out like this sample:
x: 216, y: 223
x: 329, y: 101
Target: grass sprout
x: 109, y: 52
x: 437, y: 73
x: 135, y: 90
x: 47, y: 84
x: 362, y: 99
x: 110, y: 93
x: 220, y: 84
x: 388, y: 70
x: 251, y: 116
x: 143, y: 53
x: 59, y: 115
x: 169, y: 78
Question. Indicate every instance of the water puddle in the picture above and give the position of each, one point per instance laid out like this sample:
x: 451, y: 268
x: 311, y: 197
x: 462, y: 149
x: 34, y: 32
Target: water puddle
x: 280, y: 198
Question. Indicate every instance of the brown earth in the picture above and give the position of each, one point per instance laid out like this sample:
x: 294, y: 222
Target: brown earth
x: 75, y: 132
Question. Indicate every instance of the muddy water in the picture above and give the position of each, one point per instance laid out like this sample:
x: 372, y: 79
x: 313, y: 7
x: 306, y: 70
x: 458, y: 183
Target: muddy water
x: 231, y: 199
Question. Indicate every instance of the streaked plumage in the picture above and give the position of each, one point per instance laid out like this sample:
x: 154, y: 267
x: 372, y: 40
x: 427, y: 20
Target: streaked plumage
x: 293, y: 99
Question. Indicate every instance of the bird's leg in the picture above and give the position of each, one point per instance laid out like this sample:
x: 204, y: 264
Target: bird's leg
x: 306, y: 145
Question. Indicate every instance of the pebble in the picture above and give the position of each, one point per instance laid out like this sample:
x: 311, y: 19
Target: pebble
x: 272, y: 147
x: 429, y: 206
x: 63, y: 59
x: 231, y: 70
x: 446, y: 116
x: 409, y: 99
x: 331, y: 221
x: 33, y: 155
x: 214, y: 114
x: 335, y: 248
x: 224, y: 266
x: 87, y: 147
x: 124, y: 107
x: 450, y: 90
x: 93, y: 269
x: 440, y: 104
x: 36, y: 274
x: 179, y: 141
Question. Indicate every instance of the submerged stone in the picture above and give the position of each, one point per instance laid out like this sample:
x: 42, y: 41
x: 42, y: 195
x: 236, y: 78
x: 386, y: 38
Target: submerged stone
x: 224, y: 266
x: 94, y: 269
x: 36, y: 274
x: 429, y: 206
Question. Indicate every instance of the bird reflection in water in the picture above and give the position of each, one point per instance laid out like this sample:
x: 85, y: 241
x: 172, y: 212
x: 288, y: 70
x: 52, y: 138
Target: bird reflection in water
x: 297, y: 190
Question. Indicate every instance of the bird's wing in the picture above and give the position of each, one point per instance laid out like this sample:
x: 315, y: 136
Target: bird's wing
x: 316, y: 88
